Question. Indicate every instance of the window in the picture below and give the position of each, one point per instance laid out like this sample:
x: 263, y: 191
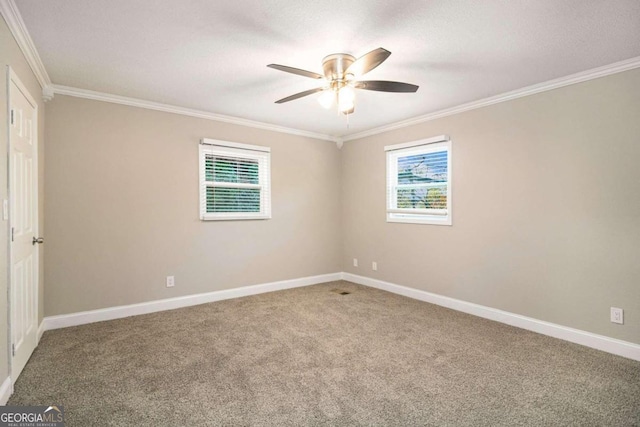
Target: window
x: 419, y: 181
x: 234, y: 181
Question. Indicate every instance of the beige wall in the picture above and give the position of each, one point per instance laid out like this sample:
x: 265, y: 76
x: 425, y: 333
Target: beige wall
x: 122, y: 209
x: 11, y: 55
x: 546, y: 208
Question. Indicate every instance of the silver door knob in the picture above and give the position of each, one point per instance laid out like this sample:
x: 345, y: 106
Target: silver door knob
x: 37, y: 240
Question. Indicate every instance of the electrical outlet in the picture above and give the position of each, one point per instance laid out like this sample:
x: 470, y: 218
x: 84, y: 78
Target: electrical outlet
x: 355, y: 262
x: 617, y: 315
x: 171, y: 281
x: 374, y: 266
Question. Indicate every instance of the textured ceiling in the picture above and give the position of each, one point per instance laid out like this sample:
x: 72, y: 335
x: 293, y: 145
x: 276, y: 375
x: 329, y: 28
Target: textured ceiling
x: 212, y: 55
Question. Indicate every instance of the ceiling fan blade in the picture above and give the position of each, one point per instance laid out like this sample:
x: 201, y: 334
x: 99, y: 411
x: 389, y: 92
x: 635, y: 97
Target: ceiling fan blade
x: 385, y: 86
x: 297, y: 71
x: 368, y: 62
x: 299, y: 95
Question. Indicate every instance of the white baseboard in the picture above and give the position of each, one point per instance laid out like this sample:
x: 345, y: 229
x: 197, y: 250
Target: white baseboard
x: 6, y: 390
x: 75, y: 319
x: 600, y: 342
x: 40, y: 332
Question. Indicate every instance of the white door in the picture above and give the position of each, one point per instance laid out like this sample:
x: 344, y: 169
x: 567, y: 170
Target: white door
x: 23, y: 193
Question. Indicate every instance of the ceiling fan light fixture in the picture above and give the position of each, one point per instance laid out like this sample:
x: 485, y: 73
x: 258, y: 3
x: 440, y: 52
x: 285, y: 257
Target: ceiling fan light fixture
x: 327, y: 98
x: 346, y: 98
x: 347, y: 108
x: 347, y: 112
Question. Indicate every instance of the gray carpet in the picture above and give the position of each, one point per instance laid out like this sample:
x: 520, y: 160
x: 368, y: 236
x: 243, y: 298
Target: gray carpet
x: 310, y: 356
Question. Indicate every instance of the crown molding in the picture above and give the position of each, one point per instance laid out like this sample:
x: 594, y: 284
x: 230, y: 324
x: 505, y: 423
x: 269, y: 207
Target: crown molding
x: 150, y: 105
x: 595, y: 73
x: 47, y: 93
x: 18, y: 28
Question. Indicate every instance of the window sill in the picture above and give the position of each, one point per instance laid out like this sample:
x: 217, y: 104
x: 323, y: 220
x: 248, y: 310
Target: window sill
x: 235, y: 217
x: 430, y: 220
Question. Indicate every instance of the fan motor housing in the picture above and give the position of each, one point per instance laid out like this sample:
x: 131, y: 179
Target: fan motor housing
x: 335, y: 65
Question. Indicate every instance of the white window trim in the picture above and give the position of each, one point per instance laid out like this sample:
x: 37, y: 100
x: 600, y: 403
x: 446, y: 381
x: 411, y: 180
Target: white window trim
x: 259, y: 153
x: 417, y: 216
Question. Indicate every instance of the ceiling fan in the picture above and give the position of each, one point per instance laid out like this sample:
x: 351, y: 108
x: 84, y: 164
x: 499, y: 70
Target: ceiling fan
x: 341, y: 74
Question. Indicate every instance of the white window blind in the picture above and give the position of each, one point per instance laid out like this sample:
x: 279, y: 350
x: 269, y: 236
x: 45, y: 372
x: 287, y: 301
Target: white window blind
x: 235, y: 181
x: 419, y: 181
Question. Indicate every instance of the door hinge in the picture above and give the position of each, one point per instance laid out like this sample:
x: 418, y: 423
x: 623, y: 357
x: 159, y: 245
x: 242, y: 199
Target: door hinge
x: 12, y: 233
x: 11, y: 116
x: 13, y: 349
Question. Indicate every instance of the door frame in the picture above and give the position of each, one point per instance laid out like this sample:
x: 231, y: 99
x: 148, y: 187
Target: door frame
x: 13, y: 77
